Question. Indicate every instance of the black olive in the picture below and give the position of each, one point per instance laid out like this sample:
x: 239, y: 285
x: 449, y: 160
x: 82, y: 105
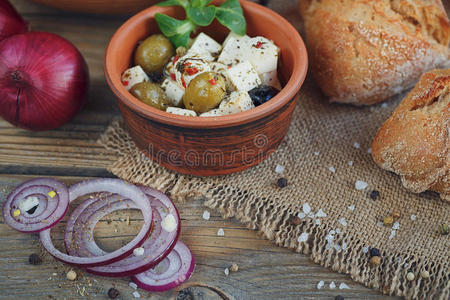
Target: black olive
x: 262, y: 94
x: 156, y: 77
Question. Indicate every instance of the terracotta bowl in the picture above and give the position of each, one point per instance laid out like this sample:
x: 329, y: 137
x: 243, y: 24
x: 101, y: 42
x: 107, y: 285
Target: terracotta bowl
x: 213, y: 145
x: 99, y: 6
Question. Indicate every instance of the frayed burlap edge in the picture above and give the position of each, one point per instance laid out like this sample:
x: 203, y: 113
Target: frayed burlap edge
x: 270, y: 217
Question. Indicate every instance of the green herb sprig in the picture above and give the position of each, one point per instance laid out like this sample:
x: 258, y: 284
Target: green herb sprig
x: 200, y: 13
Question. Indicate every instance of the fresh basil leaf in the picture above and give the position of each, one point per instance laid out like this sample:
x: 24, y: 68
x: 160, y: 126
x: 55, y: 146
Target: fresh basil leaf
x: 199, y: 3
x: 183, y: 3
x: 202, y: 16
x: 230, y: 15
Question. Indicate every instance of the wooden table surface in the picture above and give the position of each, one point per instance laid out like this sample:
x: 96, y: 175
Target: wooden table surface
x: 70, y: 154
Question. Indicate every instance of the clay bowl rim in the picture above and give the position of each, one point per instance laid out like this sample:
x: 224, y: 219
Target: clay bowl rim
x: 288, y: 92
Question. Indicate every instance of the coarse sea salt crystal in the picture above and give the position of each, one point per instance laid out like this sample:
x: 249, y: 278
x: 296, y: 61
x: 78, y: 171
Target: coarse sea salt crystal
x: 320, y: 284
x: 350, y: 163
x: 317, y: 222
x: 343, y: 286
x: 169, y: 223
x: 133, y: 285
x: 344, y: 246
x: 369, y: 150
x: 279, y: 169
x: 321, y: 214
x: 384, y: 105
x: 206, y: 215
x: 316, y: 153
x: 380, y: 224
x: 311, y: 215
x: 306, y: 208
x: 351, y: 207
x: 338, y: 230
x: 139, y: 251
x: 337, y: 247
x: 356, y: 145
x: 227, y: 271
x: 136, y: 294
x: 406, y: 265
x: 343, y: 222
x: 391, y: 236
x: 332, y: 169
x: 413, y: 217
x: 328, y: 246
x: 399, y: 259
x: 365, y: 249
x: 361, y: 185
x: 301, y: 215
x: 396, y: 226
x: 220, y: 232
x: 332, y: 285
x: 303, y: 237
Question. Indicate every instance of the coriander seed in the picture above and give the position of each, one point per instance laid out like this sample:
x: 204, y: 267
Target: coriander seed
x: 375, y: 260
x: 71, y: 275
x: 425, y: 274
x: 410, y: 276
x: 234, y: 268
x: 396, y: 215
x: 388, y: 221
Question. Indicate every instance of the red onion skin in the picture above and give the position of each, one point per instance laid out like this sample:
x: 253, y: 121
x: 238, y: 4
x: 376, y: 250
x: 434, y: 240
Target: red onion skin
x: 44, y: 80
x: 10, y: 21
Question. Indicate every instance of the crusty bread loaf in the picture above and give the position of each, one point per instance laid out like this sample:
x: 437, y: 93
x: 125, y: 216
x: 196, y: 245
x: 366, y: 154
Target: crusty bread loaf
x: 365, y: 51
x: 414, y: 142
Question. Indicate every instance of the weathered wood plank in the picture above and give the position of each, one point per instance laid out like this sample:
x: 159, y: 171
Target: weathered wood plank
x: 265, y: 271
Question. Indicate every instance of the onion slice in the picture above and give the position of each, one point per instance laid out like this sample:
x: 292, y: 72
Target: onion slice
x: 52, y: 198
x: 113, y: 186
x: 172, y: 271
x: 80, y: 233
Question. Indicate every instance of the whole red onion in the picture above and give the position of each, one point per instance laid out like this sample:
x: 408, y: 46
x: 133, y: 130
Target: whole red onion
x: 10, y: 21
x: 43, y: 80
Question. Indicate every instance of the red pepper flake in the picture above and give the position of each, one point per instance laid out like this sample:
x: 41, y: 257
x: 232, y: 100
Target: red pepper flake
x: 172, y: 75
x: 213, y: 81
x: 258, y: 45
x: 191, y: 71
x: 125, y: 83
x: 183, y: 82
x: 175, y: 59
x: 187, y: 64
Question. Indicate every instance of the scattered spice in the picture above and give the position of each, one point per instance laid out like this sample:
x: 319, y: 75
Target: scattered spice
x: 410, y: 276
x: 356, y: 145
x: 220, y: 232
x: 332, y: 285
x: 16, y: 213
x: 52, y: 194
x: 136, y: 294
x: 320, y: 284
x: 388, y: 221
x: 176, y: 57
x: 396, y: 215
x: 126, y: 83
x: 374, y: 195
x: 294, y: 220
x: 113, y: 293
x: 71, y: 275
x: 374, y: 252
x: 282, y: 182
x: 234, y: 268
x: 206, y: 215
x: 343, y: 286
x: 258, y: 45
x: 213, y: 81
x: 338, y: 297
x: 183, y: 82
x: 34, y: 259
x: 227, y: 271
x: 361, y: 185
x: 191, y: 71
x: 279, y: 169
x: 443, y: 229
x: 172, y: 76
x: 375, y: 260
x: 425, y: 274
x: 139, y: 251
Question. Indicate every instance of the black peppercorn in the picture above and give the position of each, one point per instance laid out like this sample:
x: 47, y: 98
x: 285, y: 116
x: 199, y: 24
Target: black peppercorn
x: 34, y: 259
x: 374, y: 252
x: 113, y: 293
x: 282, y: 182
x: 338, y: 297
x: 374, y: 194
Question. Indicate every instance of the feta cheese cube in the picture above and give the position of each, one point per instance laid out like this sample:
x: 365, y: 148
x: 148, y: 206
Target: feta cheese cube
x: 236, y: 36
x: 181, y: 111
x: 271, y: 79
x: 204, y: 44
x: 244, y: 77
x: 188, y: 67
x: 133, y: 76
x: 237, y: 102
x: 222, y: 70
x: 174, y: 92
x: 263, y: 54
x: 233, y: 52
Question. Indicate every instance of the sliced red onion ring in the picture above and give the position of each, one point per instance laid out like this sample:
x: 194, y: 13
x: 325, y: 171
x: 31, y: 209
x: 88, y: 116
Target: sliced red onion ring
x: 172, y: 271
x: 113, y: 186
x: 156, y: 247
x: 53, y: 201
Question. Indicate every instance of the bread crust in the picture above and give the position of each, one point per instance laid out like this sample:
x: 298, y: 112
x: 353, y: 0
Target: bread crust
x: 414, y: 141
x: 365, y: 51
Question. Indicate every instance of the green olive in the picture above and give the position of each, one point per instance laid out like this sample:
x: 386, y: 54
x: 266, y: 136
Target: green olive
x: 154, y: 53
x: 151, y: 94
x: 204, y: 92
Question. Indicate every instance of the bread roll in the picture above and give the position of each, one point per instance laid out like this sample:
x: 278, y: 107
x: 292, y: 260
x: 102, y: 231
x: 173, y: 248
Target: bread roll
x: 363, y: 52
x: 414, y: 141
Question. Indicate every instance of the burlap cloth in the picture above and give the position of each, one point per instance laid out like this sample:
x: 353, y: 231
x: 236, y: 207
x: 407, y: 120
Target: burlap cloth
x: 321, y: 138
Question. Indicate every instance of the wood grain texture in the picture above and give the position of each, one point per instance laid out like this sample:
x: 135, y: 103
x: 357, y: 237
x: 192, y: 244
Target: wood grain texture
x: 71, y: 154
